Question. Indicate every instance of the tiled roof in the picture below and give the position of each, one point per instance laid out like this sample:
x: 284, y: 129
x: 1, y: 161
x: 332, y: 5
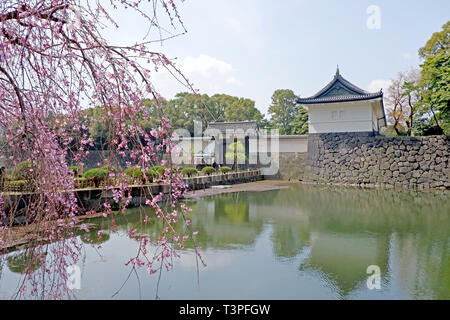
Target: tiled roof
x: 238, y: 125
x: 340, y: 90
x: 343, y: 98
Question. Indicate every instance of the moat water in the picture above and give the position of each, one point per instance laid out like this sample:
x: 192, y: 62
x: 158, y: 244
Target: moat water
x: 304, y: 242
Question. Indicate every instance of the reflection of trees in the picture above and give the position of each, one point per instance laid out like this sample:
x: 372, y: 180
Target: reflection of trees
x: 229, y: 208
x: 352, y: 229
x: 424, y: 265
x: 288, y: 239
x: 92, y: 237
x: 225, y: 221
x: 345, y: 229
x: 25, y: 262
x: 344, y: 258
x: 221, y: 221
x: 358, y: 210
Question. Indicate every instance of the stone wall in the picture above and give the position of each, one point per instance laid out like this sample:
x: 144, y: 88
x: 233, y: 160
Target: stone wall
x: 291, y: 166
x: 366, y: 160
x: 291, y: 158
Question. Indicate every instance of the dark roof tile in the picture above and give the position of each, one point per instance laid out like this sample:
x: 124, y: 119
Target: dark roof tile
x: 340, y: 90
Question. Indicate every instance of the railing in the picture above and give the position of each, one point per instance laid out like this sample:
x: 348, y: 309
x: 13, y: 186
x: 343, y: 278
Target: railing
x: 22, y: 186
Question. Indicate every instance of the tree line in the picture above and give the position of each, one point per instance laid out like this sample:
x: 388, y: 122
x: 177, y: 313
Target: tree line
x: 418, y: 101
x: 185, y: 108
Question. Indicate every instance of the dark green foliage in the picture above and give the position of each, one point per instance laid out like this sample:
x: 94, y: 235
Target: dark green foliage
x: 435, y: 82
x: 300, y: 123
x: 283, y: 110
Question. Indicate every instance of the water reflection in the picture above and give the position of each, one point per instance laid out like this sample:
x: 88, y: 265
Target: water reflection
x: 309, y: 242
x: 25, y: 262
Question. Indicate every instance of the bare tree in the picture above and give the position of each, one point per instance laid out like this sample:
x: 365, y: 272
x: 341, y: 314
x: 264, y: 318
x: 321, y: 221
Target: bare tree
x: 401, y: 100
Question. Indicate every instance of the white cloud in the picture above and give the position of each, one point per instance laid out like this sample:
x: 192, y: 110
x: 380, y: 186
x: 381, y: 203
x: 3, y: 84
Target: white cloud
x: 376, y: 85
x: 206, y: 66
x: 207, y: 74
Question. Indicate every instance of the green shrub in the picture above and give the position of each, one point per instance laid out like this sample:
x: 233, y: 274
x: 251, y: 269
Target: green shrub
x: 151, y: 174
x: 99, y: 173
x: 208, y: 170
x: 176, y: 169
x: 136, y: 173
x: 22, y: 170
x: 159, y: 170
x: 189, y: 172
x: 133, y: 172
x: 74, y: 169
x: 110, y: 169
x: 225, y: 169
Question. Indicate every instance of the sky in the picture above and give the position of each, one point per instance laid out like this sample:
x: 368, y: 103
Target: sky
x: 250, y: 48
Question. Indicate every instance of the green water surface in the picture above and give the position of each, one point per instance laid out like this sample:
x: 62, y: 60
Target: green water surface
x: 303, y: 242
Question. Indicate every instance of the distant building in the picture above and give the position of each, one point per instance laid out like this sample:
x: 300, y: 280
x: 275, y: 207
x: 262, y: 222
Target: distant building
x: 343, y: 107
x: 224, y: 133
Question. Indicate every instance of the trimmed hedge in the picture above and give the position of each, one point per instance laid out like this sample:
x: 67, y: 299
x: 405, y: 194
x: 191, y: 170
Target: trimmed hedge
x: 208, y: 170
x: 133, y: 172
x: 159, y: 170
x: 189, y: 172
x: 99, y: 173
x: 136, y: 173
x: 225, y: 169
x: 110, y: 169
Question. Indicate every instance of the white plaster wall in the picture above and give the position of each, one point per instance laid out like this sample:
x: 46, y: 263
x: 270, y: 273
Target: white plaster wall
x: 293, y: 144
x: 341, y: 117
x: 374, y: 119
x: 284, y: 144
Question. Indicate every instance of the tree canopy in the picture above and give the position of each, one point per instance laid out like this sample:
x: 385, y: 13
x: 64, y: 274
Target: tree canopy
x: 283, y: 110
x: 286, y: 115
x: 419, y: 100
